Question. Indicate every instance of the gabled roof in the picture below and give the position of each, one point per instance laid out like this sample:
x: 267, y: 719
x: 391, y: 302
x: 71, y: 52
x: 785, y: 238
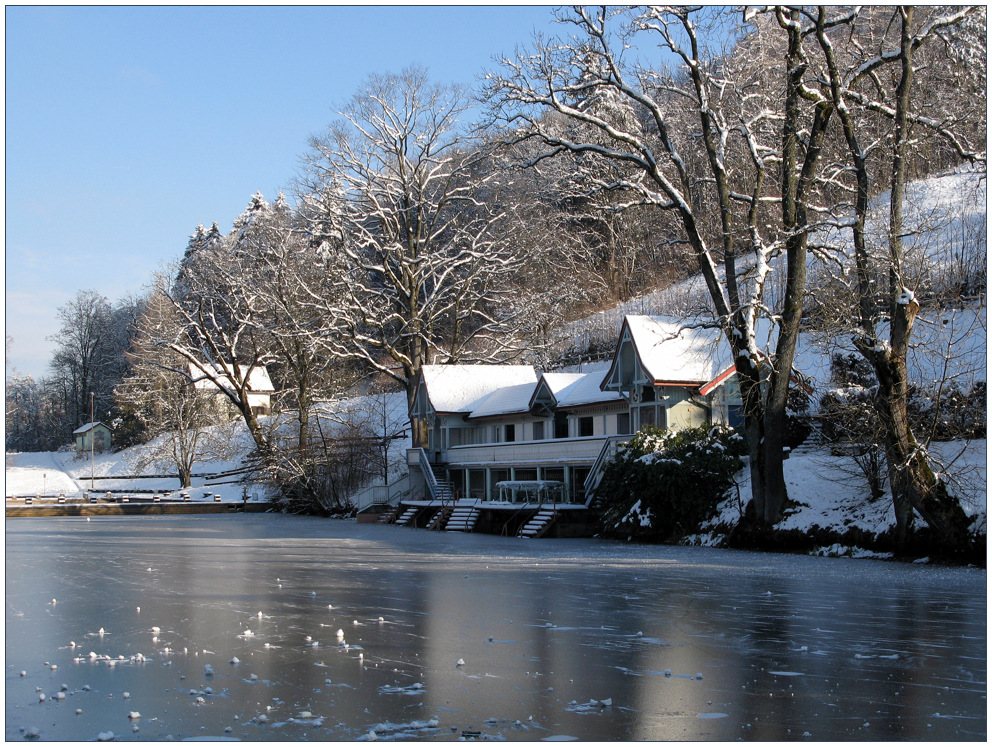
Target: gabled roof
x: 586, y: 391
x: 558, y: 382
x: 88, y: 427
x: 461, y: 388
x: 678, y: 351
x: 549, y: 387
x: 258, y: 379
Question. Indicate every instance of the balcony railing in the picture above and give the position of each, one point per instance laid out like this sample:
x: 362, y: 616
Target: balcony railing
x: 553, y: 451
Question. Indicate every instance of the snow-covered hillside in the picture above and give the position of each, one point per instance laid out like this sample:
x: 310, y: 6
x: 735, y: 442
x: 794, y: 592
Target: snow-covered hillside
x: 950, y: 347
x: 63, y: 472
x: 946, y: 219
x: 830, y: 496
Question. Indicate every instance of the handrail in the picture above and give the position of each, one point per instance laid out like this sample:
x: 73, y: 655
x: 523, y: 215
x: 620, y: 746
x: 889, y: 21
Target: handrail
x: 607, y: 453
x: 425, y: 467
x: 367, y: 496
x: 513, y: 516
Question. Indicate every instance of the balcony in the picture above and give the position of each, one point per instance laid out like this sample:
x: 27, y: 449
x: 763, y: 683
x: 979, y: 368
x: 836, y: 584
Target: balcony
x: 559, y: 451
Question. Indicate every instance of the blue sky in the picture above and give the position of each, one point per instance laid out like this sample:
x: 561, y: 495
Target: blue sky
x: 128, y: 126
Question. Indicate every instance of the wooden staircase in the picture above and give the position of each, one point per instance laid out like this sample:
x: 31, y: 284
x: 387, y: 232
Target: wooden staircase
x: 814, y: 441
x: 407, y: 516
x: 539, y: 525
x: 462, y: 519
x: 388, y: 517
x: 437, y: 520
x: 439, y: 488
x: 444, y: 491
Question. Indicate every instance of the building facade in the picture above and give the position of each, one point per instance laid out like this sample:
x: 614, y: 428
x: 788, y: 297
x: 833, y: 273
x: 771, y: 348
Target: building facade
x: 483, y: 427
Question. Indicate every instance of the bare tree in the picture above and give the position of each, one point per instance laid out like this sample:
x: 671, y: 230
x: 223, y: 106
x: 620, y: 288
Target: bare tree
x: 177, y: 417
x: 892, y: 305
x: 83, y: 353
x: 425, y: 263
x: 748, y: 133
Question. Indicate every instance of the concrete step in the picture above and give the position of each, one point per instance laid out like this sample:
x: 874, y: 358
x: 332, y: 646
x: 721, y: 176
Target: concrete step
x: 537, y: 525
x: 462, y: 520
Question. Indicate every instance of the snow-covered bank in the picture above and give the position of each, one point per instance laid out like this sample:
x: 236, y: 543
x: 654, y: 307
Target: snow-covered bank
x: 831, y: 499
x: 53, y: 473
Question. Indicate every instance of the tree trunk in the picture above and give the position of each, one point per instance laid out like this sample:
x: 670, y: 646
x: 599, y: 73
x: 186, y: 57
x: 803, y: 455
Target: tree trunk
x: 914, y: 485
x: 915, y: 488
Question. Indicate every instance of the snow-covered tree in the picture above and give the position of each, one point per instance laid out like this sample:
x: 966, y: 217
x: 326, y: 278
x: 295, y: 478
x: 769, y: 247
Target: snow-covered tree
x: 425, y: 262
x: 878, y: 78
x: 216, y: 331
x: 295, y: 275
x: 710, y: 139
x: 175, y: 415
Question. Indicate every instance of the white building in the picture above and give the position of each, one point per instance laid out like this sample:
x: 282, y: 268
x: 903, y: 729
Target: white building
x: 495, y: 439
x: 260, y: 389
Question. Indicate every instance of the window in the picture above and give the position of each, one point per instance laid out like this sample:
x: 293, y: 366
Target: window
x: 463, y: 436
x: 623, y: 423
x: 510, y: 431
x: 539, y: 430
x: 647, y: 416
x: 585, y: 426
x: 476, y: 484
x: 653, y: 415
x: 561, y: 425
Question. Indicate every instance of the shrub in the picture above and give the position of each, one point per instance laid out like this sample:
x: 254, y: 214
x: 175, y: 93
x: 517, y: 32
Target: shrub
x: 662, y: 484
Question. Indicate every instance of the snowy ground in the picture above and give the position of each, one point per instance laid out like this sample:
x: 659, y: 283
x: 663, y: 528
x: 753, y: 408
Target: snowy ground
x: 281, y: 628
x: 53, y: 473
x: 65, y: 472
x: 830, y: 494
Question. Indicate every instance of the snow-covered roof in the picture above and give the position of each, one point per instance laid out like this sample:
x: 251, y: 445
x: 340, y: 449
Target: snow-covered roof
x: 258, y: 378
x: 558, y: 382
x: 460, y: 388
x: 585, y: 391
x: 88, y: 427
x: 679, y: 351
x: 507, y: 400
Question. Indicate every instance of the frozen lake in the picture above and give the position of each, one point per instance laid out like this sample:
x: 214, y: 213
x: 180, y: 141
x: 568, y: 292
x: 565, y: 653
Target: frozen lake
x: 452, y: 635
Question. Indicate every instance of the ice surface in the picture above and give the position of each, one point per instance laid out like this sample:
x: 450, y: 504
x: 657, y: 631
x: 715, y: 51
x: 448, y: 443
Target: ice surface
x: 560, y: 639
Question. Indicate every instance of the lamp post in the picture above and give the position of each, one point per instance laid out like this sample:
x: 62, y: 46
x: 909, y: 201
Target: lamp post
x: 92, y: 435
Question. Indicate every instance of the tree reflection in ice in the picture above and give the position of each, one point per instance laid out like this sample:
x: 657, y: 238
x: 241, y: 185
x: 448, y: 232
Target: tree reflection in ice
x: 319, y: 629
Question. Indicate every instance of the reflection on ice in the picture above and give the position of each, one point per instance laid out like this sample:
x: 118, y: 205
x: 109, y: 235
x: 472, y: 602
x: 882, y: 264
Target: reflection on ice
x: 287, y: 628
